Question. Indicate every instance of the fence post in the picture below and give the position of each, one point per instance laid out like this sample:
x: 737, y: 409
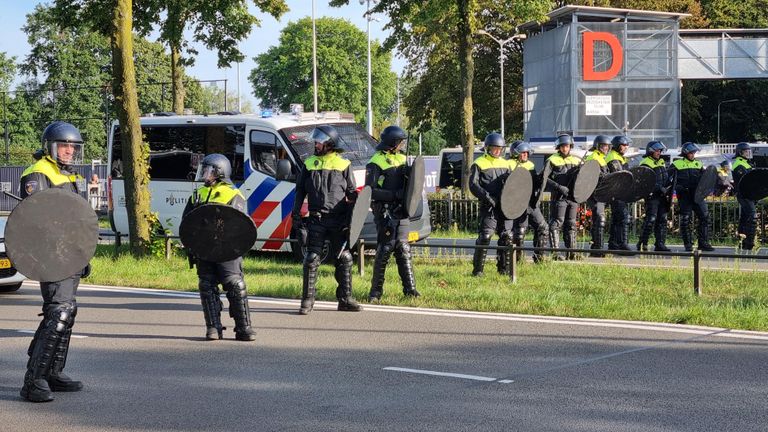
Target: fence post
x: 697, y: 272
x: 118, y: 240
x: 361, y: 257
x: 450, y: 210
x: 513, y: 263
x: 167, y: 247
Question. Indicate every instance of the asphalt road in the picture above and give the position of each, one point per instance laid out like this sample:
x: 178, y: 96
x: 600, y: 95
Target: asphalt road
x: 146, y: 367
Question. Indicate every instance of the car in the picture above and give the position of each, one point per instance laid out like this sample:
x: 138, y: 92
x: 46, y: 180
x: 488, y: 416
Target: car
x: 10, y: 278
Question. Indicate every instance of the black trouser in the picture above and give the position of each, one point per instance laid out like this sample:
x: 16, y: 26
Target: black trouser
x: 230, y: 275
x: 492, y: 221
x: 535, y: 218
x: 562, y: 216
x: 392, y: 236
x: 688, y: 206
x: 335, y: 229
x: 619, y: 230
x: 655, y: 220
x: 598, y: 223
x: 747, y: 224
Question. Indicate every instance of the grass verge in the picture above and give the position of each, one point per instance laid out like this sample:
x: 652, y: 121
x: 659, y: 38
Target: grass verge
x: 735, y: 298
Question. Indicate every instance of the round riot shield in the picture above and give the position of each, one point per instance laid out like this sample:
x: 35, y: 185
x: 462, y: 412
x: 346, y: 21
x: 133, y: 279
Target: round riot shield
x: 516, y: 193
x: 706, y: 184
x: 51, y: 235
x: 754, y: 184
x: 612, y: 186
x: 217, y: 232
x: 586, y: 180
x: 545, y: 173
x: 359, y: 213
x: 644, y: 182
x: 414, y: 187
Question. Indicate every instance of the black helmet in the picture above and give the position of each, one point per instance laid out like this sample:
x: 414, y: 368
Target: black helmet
x: 564, y: 139
x: 494, y: 139
x: 620, y: 140
x: 600, y: 140
x: 327, y: 135
x: 60, y: 132
x: 214, y: 167
x: 689, y: 147
x: 514, y: 145
x: 391, y: 136
x: 523, y: 147
x: 744, y: 150
x: 653, y: 146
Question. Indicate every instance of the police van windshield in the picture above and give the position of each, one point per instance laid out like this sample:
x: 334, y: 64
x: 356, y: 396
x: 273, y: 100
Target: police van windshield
x: 176, y: 150
x: 358, y: 145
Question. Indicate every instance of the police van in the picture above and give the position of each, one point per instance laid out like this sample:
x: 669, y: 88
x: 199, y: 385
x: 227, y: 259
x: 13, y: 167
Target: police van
x: 266, y: 152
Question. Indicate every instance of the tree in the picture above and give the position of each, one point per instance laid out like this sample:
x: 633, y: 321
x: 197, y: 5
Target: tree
x: 283, y: 74
x: 218, y: 24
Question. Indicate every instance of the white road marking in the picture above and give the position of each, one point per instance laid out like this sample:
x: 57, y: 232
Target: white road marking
x: 445, y: 374
x: 589, y: 322
x: 74, y: 336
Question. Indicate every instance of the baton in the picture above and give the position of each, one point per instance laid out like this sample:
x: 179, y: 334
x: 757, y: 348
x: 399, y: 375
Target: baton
x: 12, y: 196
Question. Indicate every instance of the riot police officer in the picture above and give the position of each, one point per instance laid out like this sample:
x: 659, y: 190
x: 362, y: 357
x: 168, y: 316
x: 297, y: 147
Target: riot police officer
x: 521, y: 152
x: 619, y: 231
x: 328, y: 185
x: 600, y: 148
x: 563, y: 210
x: 657, y: 204
x: 62, y: 148
x: 385, y: 174
x: 741, y: 166
x: 685, y: 174
x: 486, y: 181
x: 215, y: 171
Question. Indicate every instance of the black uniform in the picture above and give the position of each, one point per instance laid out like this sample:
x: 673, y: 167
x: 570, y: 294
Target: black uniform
x: 597, y: 207
x: 618, y: 233
x: 50, y: 345
x: 656, y: 207
x: 228, y: 273
x: 563, y: 210
x: 747, y: 224
x: 385, y: 174
x: 685, y: 175
x: 532, y: 216
x: 486, y: 181
x: 328, y: 184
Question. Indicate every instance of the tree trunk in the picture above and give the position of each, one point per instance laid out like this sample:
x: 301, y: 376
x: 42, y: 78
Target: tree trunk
x: 467, y: 70
x: 135, y: 152
x: 177, y: 78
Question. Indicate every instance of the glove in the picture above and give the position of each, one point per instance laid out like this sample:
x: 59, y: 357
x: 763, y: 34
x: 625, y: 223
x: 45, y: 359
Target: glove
x: 492, y: 202
x: 563, y: 190
x: 86, y: 271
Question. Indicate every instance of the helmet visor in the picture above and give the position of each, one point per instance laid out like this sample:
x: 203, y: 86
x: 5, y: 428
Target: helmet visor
x: 206, y: 174
x: 318, y: 136
x: 67, y: 153
x: 746, y: 154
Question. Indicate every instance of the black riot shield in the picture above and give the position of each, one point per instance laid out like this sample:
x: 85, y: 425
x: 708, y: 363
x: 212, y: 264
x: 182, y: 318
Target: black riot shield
x: 359, y: 213
x: 516, y: 193
x: 217, y: 232
x: 51, y: 235
x: 585, y: 182
x: 414, y: 187
x: 613, y: 186
x: 545, y: 173
x: 706, y: 184
x: 644, y: 182
x: 754, y: 184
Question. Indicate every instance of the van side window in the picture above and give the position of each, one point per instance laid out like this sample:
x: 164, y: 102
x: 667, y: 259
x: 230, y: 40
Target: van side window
x: 266, y: 150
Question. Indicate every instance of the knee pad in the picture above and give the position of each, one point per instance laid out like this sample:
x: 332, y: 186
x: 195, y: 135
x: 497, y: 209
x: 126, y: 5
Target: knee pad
x: 403, y: 248
x: 344, y: 260
x: 312, y: 259
x: 234, y: 285
x: 62, y: 316
x: 483, y: 239
x: 504, y: 239
x: 208, y: 284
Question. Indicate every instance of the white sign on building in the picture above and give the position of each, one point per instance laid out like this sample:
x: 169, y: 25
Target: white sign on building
x: 598, y: 105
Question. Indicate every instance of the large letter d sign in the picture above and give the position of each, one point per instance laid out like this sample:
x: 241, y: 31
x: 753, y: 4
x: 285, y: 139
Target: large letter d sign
x: 588, y: 43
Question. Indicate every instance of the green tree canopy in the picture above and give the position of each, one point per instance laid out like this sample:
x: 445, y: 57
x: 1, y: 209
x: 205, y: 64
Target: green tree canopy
x: 283, y: 74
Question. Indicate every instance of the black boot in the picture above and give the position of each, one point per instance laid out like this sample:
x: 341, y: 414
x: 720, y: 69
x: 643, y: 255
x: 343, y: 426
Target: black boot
x: 237, y: 295
x: 209, y: 298
x: 685, y: 233
x: 478, y: 260
x: 570, y: 243
x: 597, y: 239
x: 554, y: 242
x: 383, y: 252
x: 703, y: 234
x: 503, y: 256
x: 56, y: 322
x: 661, y: 237
x: 540, y: 239
x: 405, y: 269
x: 311, y: 263
x: 343, y: 276
x: 57, y: 380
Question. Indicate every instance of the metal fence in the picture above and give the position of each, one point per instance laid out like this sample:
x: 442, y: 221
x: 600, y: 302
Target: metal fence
x: 11, y: 175
x: 462, y: 214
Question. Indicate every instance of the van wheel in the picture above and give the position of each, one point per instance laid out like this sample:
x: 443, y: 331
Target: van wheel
x: 10, y: 288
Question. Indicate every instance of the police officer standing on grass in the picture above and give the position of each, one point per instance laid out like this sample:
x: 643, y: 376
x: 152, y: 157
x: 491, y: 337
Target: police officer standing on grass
x: 685, y: 174
x: 62, y: 148
x: 563, y: 209
x: 742, y: 164
x: 521, y: 151
x: 656, y: 205
x: 486, y: 181
x: 619, y: 231
x: 329, y: 186
x: 600, y: 148
x: 385, y: 174
x: 215, y: 172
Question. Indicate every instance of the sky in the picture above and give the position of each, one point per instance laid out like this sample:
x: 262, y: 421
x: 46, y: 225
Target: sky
x: 14, y: 12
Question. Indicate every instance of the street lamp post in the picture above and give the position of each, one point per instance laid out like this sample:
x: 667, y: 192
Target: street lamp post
x: 314, y: 58
x: 718, y: 115
x: 369, y: 18
x: 501, y: 66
